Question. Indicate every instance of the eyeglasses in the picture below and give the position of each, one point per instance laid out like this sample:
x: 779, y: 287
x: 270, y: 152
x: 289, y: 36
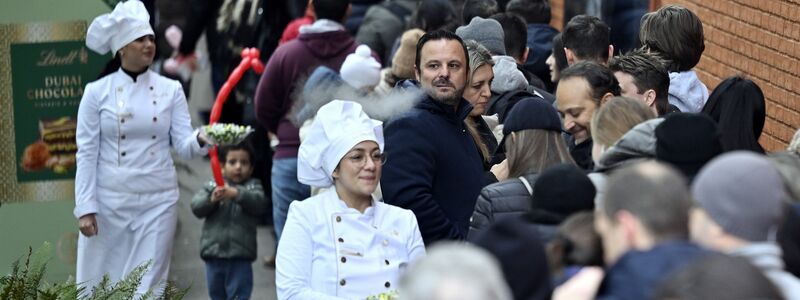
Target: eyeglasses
x: 360, y: 159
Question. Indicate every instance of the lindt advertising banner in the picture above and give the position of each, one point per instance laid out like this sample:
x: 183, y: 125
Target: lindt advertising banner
x: 49, y: 68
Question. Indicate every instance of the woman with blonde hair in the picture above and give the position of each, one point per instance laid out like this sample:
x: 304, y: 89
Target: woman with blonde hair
x: 622, y: 134
x: 478, y: 93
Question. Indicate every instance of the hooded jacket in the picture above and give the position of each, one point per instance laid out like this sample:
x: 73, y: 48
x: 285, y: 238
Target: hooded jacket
x: 506, y: 75
x: 290, y: 63
x: 767, y: 257
x: 433, y: 167
x: 687, y: 92
x: 636, y: 145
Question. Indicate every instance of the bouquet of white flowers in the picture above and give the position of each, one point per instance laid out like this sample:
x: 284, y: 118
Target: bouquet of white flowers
x: 390, y: 295
x: 226, y: 134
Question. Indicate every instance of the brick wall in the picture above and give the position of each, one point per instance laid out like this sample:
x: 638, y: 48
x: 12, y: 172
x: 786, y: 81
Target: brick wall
x: 758, y: 39
x: 557, y: 11
x: 761, y: 40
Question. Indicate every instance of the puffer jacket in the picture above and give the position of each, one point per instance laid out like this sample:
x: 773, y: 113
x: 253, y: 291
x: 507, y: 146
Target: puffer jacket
x: 229, y: 230
x: 507, y: 199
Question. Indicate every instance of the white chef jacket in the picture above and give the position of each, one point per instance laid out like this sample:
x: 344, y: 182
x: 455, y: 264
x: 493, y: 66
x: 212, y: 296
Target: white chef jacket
x: 125, y: 130
x: 126, y: 176
x: 330, y: 251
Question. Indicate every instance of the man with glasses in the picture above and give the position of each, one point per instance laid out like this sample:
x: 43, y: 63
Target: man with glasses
x: 433, y: 166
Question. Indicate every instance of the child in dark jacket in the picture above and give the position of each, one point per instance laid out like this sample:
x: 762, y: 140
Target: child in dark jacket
x: 228, y: 242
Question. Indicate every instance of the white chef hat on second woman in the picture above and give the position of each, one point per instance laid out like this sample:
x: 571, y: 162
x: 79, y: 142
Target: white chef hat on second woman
x: 112, y: 31
x: 337, y: 128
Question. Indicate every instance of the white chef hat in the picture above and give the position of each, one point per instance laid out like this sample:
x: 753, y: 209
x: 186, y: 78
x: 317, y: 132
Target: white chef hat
x: 112, y: 31
x: 360, y: 69
x: 337, y: 128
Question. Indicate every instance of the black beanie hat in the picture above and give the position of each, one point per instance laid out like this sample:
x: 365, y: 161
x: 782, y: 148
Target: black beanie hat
x: 561, y: 191
x: 687, y: 141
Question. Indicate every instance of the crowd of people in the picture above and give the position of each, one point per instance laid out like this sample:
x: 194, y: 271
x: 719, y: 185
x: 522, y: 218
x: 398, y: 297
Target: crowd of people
x: 435, y: 149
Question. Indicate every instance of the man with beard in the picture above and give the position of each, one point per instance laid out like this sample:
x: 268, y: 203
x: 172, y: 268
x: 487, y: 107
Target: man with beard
x: 433, y: 166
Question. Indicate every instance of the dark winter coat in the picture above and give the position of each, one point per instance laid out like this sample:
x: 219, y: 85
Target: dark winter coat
x: 433, y: 168
x: 229, y: 230
x: 289, y: 65
x: 507, y: 199
x: 637, y: 273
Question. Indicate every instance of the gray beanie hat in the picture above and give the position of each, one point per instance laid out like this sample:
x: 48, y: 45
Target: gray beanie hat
x: 487, y: 32
x: 743, y: 193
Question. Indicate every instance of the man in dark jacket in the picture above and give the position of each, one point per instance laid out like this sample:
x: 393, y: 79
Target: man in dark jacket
x: 433, y: 166
x: 643, y: 221
x: 324, y: 43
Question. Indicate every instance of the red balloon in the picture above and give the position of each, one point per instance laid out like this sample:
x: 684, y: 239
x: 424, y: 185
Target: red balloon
x: 250, y: 59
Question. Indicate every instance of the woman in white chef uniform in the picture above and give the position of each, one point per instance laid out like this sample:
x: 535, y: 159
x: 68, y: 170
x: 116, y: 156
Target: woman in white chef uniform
x: 126, y: 185
x: 342, y: 243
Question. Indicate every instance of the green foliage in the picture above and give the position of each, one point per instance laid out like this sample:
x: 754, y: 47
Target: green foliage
x: 25, y: 283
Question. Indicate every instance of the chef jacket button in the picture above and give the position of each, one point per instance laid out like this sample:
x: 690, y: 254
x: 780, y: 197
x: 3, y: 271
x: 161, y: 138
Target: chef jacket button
x: 344, y: 259
x: 342, y: 282
x: 123, y: 153
x: 338, y: 219
x: 123, y: 137
x: 386, y: 261
x: 155, y: 119
x: 122, y: 120
x: 154, y: 137
x: 386, y: 242
x: 154, y: 102
x: 151, y: 87
x: 387, y: 284
x: 341, y: 240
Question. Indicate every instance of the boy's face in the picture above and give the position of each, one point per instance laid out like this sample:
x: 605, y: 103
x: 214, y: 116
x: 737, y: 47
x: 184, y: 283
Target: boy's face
x: 237, y: 167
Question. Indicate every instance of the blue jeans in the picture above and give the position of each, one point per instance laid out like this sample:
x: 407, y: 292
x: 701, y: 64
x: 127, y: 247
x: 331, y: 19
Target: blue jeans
x: 285, y: 189
x: 229, y: 279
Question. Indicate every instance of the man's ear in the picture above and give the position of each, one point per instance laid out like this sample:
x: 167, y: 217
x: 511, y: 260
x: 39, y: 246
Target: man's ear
x: 570, y: 56
x: 416, y: 73
x: 627, y: 222
x: 650, y: 97
x: 525, y: 55
x: 605, y: 98
x: 610, y: 52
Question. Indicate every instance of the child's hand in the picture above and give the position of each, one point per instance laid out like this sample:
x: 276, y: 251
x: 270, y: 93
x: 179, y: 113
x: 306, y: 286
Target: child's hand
x: 217, y: 194
x: 224, y: 193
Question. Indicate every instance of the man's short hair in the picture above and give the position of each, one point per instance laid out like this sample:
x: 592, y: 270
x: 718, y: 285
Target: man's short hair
x: 478, y: 8
x: 653, y: 192
x: 600, y: 78
x: 435, y: 36
x: 533, y: 11
x: 648, y: 74
x: 516, y: 33
x: 334, y: 10
x: 675, y: 33
x: 587, y: 37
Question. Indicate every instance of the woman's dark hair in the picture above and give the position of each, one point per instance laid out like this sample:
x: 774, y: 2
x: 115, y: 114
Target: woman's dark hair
x: 676, y: 34
x: 111, y: 66
x: 576, y: 243
x: 738, y: 107
x: 434, y: 14
x: 559, y: 54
